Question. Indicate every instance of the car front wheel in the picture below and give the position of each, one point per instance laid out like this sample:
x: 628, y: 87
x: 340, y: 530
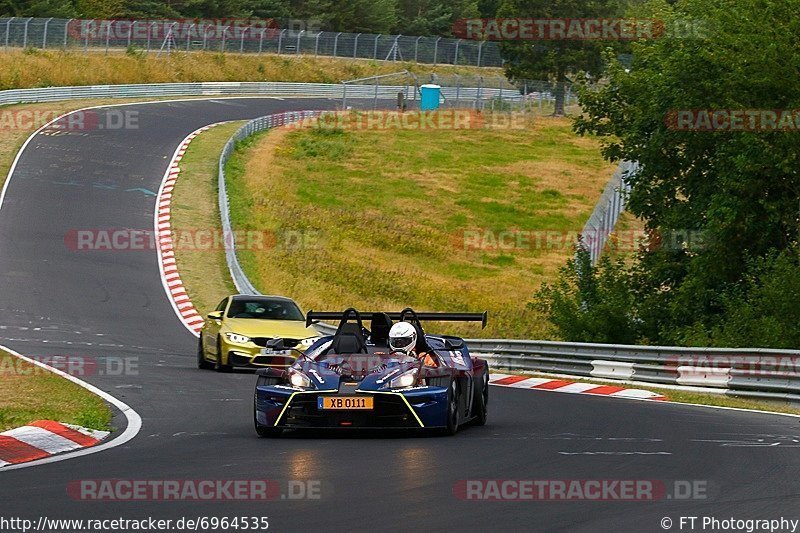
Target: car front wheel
x: 265, y: 432
x: 453, y: 397
x: 219, y: 366
x: 202, y: 363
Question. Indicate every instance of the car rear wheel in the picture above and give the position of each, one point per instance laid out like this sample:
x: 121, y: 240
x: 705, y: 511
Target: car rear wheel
x: 482, y: 401
x: 202, y: 364
x: 219, y: 367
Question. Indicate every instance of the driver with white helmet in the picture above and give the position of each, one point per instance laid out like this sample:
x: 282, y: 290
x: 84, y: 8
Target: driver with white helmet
x: 403, y: 339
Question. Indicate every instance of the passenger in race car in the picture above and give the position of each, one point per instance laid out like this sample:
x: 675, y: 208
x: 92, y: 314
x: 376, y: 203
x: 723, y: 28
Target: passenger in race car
x: 403, y: 339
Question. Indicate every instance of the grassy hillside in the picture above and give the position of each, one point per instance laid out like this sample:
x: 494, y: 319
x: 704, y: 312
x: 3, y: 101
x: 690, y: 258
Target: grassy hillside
x: 36, y: 68
x: 437, y: 220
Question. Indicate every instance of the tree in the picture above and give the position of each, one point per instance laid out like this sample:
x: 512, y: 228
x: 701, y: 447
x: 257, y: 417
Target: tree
x: 739, y: 187
x: 433, y: 17
x: 421, y: 17
x: 51, y: 8
x: 488, y: 8
x: 355, y: 16
x: 555, y: 59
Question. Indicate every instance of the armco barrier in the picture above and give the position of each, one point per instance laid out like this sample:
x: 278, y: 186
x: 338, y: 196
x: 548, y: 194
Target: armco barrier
x: 607, y: 211
x: 240, y: 280
x: 753, y: 372
x: 237, y: 88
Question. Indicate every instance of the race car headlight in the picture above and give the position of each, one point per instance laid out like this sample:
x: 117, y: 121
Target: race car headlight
x: 298, y: 379
x: 406, y: 379
x: 237, y: 339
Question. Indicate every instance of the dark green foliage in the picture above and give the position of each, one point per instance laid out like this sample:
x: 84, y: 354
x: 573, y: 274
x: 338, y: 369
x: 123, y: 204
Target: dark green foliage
x: 590, y: 304
x: 408, y: 17
x: 740, y: 188
x: 556, y: 60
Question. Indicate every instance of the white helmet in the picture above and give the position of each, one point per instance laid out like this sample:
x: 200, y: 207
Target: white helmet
x: 402, y: 337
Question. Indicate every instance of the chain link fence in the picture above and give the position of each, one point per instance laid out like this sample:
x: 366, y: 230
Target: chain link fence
x: 607, y: 211
x: 481, y: 93
x: 168, y: 35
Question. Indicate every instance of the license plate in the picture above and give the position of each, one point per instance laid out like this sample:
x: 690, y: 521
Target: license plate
x: 270, y: 351
x: 346, y: 403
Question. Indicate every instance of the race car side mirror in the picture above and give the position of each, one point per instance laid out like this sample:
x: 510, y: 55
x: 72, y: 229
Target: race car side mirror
x: 215, y: 315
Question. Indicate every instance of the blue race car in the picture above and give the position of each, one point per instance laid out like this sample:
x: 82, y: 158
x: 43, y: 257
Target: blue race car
x: 355, y: 379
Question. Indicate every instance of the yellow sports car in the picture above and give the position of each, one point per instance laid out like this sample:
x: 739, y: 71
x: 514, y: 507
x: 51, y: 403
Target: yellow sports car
x: 236, y: 333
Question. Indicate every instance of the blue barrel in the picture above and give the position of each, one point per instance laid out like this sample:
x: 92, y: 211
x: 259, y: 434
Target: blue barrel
x: 429, y: 97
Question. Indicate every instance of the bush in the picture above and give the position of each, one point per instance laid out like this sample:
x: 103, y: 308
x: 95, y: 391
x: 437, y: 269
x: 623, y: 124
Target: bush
x: 590, y: 303
x: 762, y: 310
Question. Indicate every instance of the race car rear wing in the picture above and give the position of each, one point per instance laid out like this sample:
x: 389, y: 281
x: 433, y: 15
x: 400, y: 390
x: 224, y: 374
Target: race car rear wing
x: 313, y: 316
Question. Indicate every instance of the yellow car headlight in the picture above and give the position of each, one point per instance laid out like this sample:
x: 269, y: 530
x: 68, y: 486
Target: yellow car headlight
x: 237, y: 339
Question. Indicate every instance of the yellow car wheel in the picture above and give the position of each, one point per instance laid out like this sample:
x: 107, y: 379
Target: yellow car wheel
x: 202, y: 362
x: 219, y: 366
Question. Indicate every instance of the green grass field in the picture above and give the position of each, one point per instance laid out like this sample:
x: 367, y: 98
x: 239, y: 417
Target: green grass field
x: 264, y: 163
x: 29, y: 393
x: 377, y: 219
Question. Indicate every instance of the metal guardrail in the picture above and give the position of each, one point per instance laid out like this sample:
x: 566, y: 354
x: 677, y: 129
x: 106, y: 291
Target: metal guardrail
x: 240, y: 279
x: 752, y: 372
x: 320, y: 90
x: 164, y: 36
x: 243, y: 88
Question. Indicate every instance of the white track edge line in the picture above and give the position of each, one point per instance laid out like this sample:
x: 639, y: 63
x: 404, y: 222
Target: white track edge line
x: 132, y: 429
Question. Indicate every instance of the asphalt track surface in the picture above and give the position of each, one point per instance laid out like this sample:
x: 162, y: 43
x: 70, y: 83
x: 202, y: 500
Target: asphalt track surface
x: 198, y: 424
